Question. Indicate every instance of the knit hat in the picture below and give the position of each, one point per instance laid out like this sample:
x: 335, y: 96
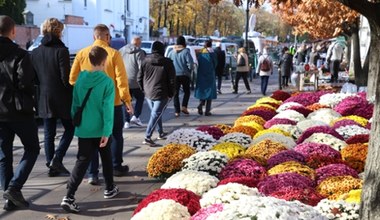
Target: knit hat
x: 158, y: 47
x: 181, y: 41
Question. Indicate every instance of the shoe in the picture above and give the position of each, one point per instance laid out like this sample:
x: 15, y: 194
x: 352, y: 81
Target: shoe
x: 108, y: 194
x: 176, y: 114
x: 9, y: 205
x: 200, y: 111
x: 16, y: 197
x: 69, y: 205
x: 93, y: 181
x: 127, y: 125
x: 162, y: 136
x: 150, y: 142
x: 122, y: 171
x: 53, y: 173
x: 55, y: 164
x: 208, y: 114
x: 185, y: 111
x: 248, y: 92
x: 219, y: 92
x: 234, y: 92
x: 136, y: 121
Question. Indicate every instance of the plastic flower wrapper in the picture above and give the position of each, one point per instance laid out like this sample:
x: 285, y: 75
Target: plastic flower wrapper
x: 345, y: 122
x: 292, y: 167
x: 362, y: 121
x: 165, y: 209
x: 326, y: 115
x: 225, y: 194
x: 182, y: 196
x: 280, y: 95
x: 258, y: 108
x: 225, y: 128
x: 338, y: 210
x: 196, y: 139
x: 291, y: 115
x: 308, y: 123
x: 325, y: 172
x: 352, y: 130
x: 277, y: 182
x: 318, y: 129
x: 328, y: 139
x: 268, y: 100
x: 287, y: 105
x: 301, y: 109
x: 288, y: 142
x: 293, y: 130
x: 355, y: 106
x: 336, y: 186
x: 210, y: 162
x: 354, y: 196
x: 244, y: 129
x: 275, y: 121
x: 252, y: 207
x: 204, y: 213
x: 271, y: 130
x: 266, y: 115
x: 263, y: 150
x: 243, y: 168
x: 168, y: 160
x: 249, y: 118
x: 195, y: 181
x: 307, y: 196
x: 333, y: 99
x: 358, y: 139
x: 215, y: 132
x: 355, y: 155
x: 285, y: 156
x: 316, y: 106
x: 246, y: 181
x: 232, y: 150
x: 308, y: 149
x: 239, y: 138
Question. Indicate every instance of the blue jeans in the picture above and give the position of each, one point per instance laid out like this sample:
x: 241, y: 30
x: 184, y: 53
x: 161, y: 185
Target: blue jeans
x: 50, y: 128
x: 264, y: 84
x: 116, y: 145
x: 157, y: 108
x: 139, y: 96
x: 27, y: 131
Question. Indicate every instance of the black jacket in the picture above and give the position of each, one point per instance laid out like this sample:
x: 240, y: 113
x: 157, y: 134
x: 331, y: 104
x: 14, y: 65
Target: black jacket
x: 286, y: 64
x: 221, y: 55
x: 51, y: 61
x: 157, y: 77
x: 16, y: 82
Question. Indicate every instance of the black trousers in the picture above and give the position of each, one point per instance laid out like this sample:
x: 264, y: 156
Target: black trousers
x: 334, y: 68
x: 183, y: 81
x: 86, y: 148
x: 243, y: 75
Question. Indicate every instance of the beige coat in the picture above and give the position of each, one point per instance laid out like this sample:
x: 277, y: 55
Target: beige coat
x: 243, y: 68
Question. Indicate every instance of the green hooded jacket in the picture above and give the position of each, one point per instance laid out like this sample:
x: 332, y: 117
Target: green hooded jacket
x: 98, y: 113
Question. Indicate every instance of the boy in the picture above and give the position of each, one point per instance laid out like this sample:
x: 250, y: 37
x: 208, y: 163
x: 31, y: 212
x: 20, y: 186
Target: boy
x: 95, y: 127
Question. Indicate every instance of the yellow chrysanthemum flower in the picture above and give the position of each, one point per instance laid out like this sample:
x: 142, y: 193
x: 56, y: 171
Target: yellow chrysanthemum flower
x: 272, y: 130
x: 249, y: 118
x: 262, y: 105
x: 292, y: 167
x: 268, y: 100
x: 362, y: 121
x: 232, y: 150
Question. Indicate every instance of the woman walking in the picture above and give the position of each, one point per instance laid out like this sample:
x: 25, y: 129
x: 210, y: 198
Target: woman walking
x: 242, y: 70
x: 205, y: 89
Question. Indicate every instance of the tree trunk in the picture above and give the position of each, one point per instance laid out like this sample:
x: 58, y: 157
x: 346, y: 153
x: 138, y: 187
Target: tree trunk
x: 361, y: 77
x: 166, y: 5
x: 159, y: 15
x: 370, y: 198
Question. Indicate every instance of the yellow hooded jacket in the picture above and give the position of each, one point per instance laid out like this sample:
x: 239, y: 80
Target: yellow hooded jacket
x: 115, y: 69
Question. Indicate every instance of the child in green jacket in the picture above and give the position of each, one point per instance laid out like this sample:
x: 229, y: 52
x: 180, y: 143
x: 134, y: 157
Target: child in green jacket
x: 95, y: 127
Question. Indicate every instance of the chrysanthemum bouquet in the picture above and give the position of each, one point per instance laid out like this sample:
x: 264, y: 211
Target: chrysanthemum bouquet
x: 210, y: 162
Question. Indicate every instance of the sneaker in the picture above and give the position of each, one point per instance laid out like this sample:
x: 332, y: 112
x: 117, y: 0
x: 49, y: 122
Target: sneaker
x: 185, y: 111
x: 234, y: 92
x: 208, y: 114
x: 93, y: 181
x: 127, y: 125
x: 248, y: 92
x: 55, y: 164
x: 136, y: 121
x: 162, y: 136
x: 53, y: 172
x: 16, y: 197
x: 176, y: 114
x: 122, y: 171
x: 200, y: 111
x: 149, y: 141
x: 9, y: 205
x: 108, y: 194
x: 219, y: 92
x: 69, y: 205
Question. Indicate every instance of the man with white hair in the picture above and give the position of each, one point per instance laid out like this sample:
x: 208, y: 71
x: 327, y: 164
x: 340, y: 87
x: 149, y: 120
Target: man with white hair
x: 133, y: 55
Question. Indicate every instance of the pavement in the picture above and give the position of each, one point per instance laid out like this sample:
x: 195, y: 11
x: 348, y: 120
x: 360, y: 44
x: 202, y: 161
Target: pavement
x: 45, y: 193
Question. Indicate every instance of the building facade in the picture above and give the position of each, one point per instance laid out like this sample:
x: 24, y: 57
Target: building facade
x: 124, y: 17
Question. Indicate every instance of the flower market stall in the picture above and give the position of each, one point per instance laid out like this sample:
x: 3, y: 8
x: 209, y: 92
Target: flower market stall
x: 288, y: 156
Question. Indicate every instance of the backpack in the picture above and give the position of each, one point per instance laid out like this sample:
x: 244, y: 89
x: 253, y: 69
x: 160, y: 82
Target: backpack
x: 241, y: 61
x: 265, y: 65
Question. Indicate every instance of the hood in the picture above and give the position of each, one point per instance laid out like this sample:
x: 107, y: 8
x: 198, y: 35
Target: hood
x: 92, y: 79
x: 130, y: 49
x: 156, y: 59
x: 51, y: 40
x: 178, y: 48
x: 6, y: 47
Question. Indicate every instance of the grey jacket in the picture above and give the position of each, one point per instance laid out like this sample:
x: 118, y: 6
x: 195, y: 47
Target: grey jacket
x: 132, y: 57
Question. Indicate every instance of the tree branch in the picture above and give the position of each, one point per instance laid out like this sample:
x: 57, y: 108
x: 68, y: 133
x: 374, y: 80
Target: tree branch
x: 366, y: 8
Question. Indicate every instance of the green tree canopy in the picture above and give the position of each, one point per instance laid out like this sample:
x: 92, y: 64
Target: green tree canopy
x: 14, y: 9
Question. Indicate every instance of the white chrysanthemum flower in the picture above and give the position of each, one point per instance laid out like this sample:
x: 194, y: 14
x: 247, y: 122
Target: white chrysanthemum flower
x: 165, y: 209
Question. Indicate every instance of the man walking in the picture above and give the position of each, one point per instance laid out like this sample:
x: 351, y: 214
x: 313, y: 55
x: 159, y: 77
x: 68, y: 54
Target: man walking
x: 16, y: 115
x: 183, y: 64
x: 115, y: 69
x: 221, y: 55
x: 334, y: 58
x: 133, y: 55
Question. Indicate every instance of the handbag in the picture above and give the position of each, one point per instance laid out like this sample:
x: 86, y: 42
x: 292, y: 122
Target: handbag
x: 241, y: 61
x: 77, y: 119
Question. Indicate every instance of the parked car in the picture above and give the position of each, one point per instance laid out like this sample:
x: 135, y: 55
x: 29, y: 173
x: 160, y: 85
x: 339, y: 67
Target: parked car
x: 117, y: 43
x: 147, y: 46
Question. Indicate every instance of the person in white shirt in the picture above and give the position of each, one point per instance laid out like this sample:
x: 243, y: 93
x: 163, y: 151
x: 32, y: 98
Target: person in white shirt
x: 334, y: 58
x: 264, y: 70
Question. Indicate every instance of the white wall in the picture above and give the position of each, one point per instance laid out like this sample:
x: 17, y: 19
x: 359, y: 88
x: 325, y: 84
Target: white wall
x: 139, y: 9
x: 43, y: 9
